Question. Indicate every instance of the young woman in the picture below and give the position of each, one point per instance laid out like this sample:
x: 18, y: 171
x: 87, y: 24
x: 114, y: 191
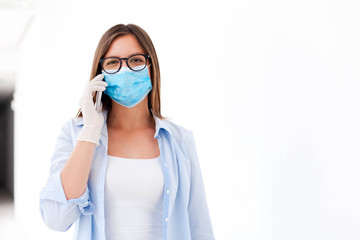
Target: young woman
x: 124, y: 171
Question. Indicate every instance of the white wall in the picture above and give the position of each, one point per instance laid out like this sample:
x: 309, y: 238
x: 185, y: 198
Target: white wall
x: 269, y: 88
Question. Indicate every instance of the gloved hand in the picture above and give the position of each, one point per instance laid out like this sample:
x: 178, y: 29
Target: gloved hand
x: 93, y: 120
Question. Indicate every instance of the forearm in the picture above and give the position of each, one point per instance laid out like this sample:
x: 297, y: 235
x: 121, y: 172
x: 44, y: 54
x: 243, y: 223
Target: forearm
x: 75, y: 174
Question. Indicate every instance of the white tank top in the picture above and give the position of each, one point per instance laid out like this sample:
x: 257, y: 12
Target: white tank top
x: 133, y: 199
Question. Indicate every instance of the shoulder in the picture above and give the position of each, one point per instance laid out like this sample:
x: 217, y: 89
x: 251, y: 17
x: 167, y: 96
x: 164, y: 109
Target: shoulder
x: 184, y: 139
x: 178, y: 132
x: 71, y: 127
x: 72, y: 123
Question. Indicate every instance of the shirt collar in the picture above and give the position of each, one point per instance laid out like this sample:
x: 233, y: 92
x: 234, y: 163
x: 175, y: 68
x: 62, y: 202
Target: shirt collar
x: 159, y: 124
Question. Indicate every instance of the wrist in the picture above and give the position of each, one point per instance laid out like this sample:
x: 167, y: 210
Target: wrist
x: 90, y: 133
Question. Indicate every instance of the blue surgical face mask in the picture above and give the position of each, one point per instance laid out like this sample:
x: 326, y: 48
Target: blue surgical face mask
x: 128, y: 87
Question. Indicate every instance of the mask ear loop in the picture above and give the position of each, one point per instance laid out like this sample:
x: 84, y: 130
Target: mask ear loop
x: 148, y: 59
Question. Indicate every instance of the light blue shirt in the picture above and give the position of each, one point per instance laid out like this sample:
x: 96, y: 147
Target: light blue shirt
x: 185, y: 210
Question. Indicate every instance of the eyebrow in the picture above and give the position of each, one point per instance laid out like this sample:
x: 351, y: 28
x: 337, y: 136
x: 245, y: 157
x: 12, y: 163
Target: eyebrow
x: 127, y: 56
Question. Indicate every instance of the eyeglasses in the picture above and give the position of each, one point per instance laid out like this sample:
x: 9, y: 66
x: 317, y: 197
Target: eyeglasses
x: 135, y: 62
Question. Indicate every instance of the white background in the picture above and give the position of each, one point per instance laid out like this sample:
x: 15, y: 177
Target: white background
x: 269, y: 88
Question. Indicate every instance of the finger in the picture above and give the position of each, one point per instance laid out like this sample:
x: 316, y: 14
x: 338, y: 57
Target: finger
x: 85, y: 102
x: 96, y: 88
x: 98, y: 78
x: 99, y: 83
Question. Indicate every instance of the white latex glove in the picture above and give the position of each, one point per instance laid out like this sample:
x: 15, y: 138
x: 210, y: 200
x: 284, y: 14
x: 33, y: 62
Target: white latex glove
x: 93, y: 120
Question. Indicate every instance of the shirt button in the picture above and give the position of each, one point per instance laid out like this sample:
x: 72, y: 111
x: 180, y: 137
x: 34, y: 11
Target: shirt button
x: 168, y: 191
x: 165, y: 165
x: 166, y: 219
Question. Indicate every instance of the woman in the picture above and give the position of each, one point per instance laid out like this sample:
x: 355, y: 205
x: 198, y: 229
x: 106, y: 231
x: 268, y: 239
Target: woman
x: 125, y: 172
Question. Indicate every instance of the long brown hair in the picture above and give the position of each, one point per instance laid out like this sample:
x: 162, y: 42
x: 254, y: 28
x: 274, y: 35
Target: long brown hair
x: 144, y: 40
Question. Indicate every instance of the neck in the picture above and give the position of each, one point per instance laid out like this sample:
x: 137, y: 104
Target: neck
x: 129, y: 119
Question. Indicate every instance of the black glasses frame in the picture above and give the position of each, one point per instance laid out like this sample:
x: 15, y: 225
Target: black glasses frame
x: 127, y: 63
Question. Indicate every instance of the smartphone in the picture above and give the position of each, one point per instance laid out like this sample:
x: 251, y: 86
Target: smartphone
x: 98, y: 101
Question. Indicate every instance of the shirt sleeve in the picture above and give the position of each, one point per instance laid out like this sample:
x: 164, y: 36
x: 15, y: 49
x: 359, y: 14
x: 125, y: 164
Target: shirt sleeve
x: 199, y: 216
x: 57, y: 212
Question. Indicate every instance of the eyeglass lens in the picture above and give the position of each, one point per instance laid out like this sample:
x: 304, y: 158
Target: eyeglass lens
x: 134, y: 62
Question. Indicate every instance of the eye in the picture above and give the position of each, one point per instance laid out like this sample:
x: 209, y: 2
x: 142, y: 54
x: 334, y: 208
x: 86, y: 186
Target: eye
x: 137, y: 59
x: 111, y: 62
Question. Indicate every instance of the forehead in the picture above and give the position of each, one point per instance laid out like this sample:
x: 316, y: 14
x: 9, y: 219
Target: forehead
x: 124, y: 46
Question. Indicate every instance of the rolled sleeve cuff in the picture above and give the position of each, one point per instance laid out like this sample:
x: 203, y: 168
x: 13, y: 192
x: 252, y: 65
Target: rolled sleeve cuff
x: 85, y: 205
x: 54, y: 190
